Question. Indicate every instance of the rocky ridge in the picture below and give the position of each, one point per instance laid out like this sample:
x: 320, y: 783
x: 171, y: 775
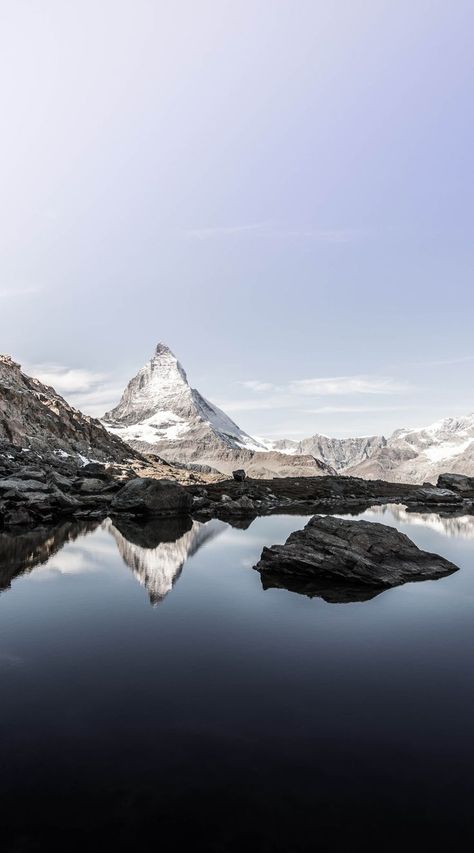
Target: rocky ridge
x: 34, y: 416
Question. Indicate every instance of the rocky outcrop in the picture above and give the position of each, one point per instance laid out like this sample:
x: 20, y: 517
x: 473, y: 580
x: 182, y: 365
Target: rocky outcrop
x: 34, y: 416
x: 342, y: 558
x: 149, y: 497
x: 229, y: 499
x: 37, y: 488
x: 462, y: 485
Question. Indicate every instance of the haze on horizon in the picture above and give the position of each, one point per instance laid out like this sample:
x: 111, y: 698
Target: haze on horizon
x: 282, y: 193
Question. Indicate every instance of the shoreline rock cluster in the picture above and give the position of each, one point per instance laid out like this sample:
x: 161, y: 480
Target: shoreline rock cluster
x: 37, y: 488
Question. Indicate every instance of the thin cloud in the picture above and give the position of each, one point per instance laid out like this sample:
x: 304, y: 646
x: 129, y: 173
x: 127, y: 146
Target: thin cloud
x: 92, y: 392
x: 257, y: 385
x: 223, y: 231
x: 19, y: 292
x: 323, y: 386
x: 319, y: 235
x: 352, y: 410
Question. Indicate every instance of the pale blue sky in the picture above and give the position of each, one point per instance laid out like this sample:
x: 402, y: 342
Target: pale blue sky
x: 281, y: 191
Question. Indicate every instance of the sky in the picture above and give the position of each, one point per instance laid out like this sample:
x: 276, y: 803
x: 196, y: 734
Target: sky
x: 280, y: 191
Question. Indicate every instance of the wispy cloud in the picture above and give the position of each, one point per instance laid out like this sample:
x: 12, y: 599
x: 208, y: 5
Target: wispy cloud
x: 347, y: 385
x: 297, y: 393
x: 90, y: 391
x: 352, y: 410
x: 257, y: 385
x: 19, y: 292
x: 224, y: 230
x: 445, y: 361
x: 268, y: 229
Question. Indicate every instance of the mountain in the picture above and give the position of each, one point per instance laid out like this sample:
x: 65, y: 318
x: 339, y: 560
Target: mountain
x: 338, y: 453
x: 157, y: 556
x: 34, y: 416
x: 407, y: 456
x: 418, y: 455
x: 160, y: 413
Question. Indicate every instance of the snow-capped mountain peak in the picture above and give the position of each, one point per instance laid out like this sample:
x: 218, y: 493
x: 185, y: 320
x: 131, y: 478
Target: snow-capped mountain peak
x: 159, y: 406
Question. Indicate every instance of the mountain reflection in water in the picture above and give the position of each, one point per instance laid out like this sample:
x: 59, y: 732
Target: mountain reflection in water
x: 155, y: 551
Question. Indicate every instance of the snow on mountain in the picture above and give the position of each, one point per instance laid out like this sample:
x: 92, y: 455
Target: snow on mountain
x: 417, y: 455
x: 339, y: 453
x: 160, y: 413
x: 158, y: 405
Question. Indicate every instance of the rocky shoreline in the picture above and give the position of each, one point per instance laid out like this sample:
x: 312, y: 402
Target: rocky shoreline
x: 45, y: 488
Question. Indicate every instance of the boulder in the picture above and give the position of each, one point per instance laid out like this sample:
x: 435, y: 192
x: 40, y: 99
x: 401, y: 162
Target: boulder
x: 436, y: 496
x: 457, y: 483
x: 337, y: 555
x: 92, y: 486
x: 94, y: 469
x: 146, y: 496
x: 239, y: 475
x: 15, y: 487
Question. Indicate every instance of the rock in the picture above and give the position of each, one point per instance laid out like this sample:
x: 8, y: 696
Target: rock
x: 239, y: 475
x: 31, y: 474
x: 436, y: 496
x: 92, y: 486
x: 59, y: 480
x: 457, y: 483
x: 145, y: 496
x: 241, y: 506
x: 94, y: 469
x: 16, y: 486
x: 360, y: 555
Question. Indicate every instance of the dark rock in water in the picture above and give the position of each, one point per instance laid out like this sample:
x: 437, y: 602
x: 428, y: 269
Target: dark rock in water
x: 239, y: 475
x: 333, y: 552
x: 457, y: 483
x: 145, y: 496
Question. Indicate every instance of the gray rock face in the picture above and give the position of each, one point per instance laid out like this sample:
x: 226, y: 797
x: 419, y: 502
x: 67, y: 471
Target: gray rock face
x: 239, y: 475
x: 145, y: 496
x: 355, y: 556
x: 33, y: 415
x: 463, y: 485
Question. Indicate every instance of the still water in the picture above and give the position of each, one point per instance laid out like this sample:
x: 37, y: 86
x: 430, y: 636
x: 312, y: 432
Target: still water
x: 153, y: 694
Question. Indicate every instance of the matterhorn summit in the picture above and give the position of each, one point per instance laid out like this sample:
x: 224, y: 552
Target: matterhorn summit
x: 160, y: 413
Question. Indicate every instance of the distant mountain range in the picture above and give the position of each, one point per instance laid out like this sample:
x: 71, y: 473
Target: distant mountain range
x: 159, y: 414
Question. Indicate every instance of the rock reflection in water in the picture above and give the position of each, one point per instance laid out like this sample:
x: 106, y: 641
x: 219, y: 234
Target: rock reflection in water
x: 20, y: 553
x: 157, y: 550
x: 330, y: 591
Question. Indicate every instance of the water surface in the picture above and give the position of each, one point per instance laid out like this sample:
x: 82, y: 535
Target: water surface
x: 153, y: 693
